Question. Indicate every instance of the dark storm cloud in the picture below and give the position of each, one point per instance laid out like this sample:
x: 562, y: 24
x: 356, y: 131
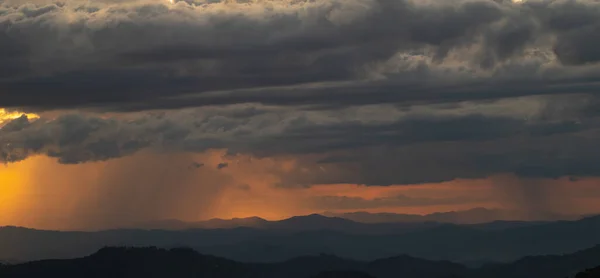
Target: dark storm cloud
x: 539, y: 157
x: 374, y: 92
x: 380, y: 146
x: 577, y: 47
x: 576, y: 27
x: 16, y: 124
x: 75, y: 138
x: 137, y: 55
x: 420, y: 90
x: 310, y: 138
x: 12, y: 56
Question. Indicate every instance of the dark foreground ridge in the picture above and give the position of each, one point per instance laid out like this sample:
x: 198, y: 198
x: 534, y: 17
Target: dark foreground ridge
x: 589, y: 273
x: 152, y: 262
x: 315, y: 234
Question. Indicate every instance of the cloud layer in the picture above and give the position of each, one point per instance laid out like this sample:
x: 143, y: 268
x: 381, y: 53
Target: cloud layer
x: 373, y: 145
x: 374, y: 92
x: 132, y: 55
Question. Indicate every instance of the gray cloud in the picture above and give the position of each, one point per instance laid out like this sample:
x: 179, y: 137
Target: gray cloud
x: 137, y: 55
x: 377, y: 145
x: 77, y: 138
x: 374, y: 92
x: 541, y: 157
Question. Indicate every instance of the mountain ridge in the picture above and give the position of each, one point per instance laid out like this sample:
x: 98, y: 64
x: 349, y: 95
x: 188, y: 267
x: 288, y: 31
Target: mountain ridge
x: 149, y: 262
x: 474, y: 216
x: 459, y: 243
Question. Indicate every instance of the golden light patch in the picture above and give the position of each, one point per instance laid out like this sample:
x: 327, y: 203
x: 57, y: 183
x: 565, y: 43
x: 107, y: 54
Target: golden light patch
x: 6, y: 116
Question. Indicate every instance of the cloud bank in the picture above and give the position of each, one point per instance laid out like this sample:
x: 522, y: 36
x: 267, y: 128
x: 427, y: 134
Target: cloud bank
x: 373, y: 145
x: 374, y: 92
x: 135, y: 55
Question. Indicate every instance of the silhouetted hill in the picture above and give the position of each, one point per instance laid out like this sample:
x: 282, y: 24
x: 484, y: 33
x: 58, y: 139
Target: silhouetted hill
x: 471, y: 216
x: 379, y: 222
x: 502, y: 225
x: 390, y: 221
x: 544, y: 266
x: 343, y: 274
x: 398, y: 266
x: 133, y: 262
x: 445, y: 242
x: 589, y: 273
x: 215, y: 223
x: 414, y: 267
x: 153, y: 262
x: 459, y: 243
x: 250, y: 222
x: 313, y: 222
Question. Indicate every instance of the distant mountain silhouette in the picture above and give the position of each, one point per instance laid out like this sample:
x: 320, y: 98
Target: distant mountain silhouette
x: 589, y: 273
x: 313, y: 222
x: 543, y: 266
x: 153, y: 262
x: 315, y: 234
x: 215, y: 223
x: 316, y: 221
x: 133, y: 262
x: 471, y: 216
x: 463, y: 243
x: 342, y: 274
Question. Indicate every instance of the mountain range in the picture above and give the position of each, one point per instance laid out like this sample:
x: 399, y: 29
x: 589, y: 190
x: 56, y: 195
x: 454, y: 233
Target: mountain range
x: 314, y: 234
x: 183, y: 262
x: 589, y: 273
x: 471, y: 216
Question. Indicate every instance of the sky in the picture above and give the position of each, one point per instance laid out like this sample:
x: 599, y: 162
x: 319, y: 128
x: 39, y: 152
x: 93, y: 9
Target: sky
x: 121, y: 111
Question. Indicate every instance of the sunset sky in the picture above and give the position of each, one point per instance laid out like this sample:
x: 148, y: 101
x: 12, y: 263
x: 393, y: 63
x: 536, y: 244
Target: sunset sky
x: 115, y: 112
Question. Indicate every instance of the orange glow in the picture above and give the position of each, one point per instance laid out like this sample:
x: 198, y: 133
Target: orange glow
x: 6, y: 116
x: 41, y: 193
x: 12, y: 190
